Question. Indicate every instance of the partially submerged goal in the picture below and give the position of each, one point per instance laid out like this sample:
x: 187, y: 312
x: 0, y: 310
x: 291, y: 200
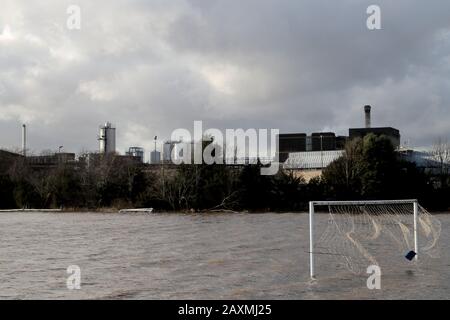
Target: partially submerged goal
x: 354, y: 226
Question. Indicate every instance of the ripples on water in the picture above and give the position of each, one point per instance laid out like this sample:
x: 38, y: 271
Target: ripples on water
x: 177, y: 256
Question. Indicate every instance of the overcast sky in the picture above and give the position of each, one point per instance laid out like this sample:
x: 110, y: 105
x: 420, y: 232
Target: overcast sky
x: 153, y: 66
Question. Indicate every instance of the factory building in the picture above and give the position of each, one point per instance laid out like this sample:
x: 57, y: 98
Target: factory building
x: 173, y: 150
x: 310, y: 164
x: 341, y: 141
x: 312, y: 160
x: 51, y: 160
x: 328, y: 141
x: 136, y: 152
x: 301, y: 142
x: 309, y: 155
x: 7, y: 159
x: 428, y: 159
x: 290, y: 142
x: 168, y: 147
x: 323, y: 141
x: 391, y: 133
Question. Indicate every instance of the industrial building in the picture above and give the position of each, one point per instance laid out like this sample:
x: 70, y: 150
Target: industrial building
x: 312, y: 160
x: 312, y: 153
x: 51, y: 159
x: 328, y: 141
x: 310, y: 164
x: 296, y: 151
x: 136, y: 152
x: 323, y: 141
x: 290, y: 142
x: 391, y: 133
x: 341, y: 141
x: 427, y: 159
x: 301, y: 142
x: 173, y: 150
x: 7, y: 159
x: 168, y: 147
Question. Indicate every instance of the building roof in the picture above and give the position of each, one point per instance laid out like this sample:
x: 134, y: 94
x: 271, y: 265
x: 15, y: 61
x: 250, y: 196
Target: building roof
x: 424, y: 157
x: 311, y: 159
x: 7, y: 158
x: 9, y: 153
x: 375, y: 130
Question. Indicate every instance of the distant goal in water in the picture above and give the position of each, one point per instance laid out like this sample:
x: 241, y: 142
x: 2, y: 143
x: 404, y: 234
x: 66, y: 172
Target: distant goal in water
x: 356, y: 231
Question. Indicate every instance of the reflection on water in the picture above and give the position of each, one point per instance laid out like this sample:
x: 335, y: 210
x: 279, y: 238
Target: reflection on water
x: 177, y: 256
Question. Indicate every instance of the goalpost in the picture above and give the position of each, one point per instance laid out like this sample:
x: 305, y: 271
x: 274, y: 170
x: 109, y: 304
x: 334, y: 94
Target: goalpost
x: 354, y: 225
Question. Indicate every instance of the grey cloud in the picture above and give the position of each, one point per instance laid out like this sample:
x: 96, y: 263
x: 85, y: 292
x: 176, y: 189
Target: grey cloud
x: 154, y: 66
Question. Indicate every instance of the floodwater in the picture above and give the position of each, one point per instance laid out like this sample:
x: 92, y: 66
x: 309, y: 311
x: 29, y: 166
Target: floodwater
x: 179, y: 256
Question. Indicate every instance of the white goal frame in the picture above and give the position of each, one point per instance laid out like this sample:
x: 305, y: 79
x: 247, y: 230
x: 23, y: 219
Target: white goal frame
x: 312, y: 204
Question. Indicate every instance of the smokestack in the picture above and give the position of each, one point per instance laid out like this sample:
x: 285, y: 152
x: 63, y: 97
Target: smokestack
x: 24, y: 140
x: 367, y: 113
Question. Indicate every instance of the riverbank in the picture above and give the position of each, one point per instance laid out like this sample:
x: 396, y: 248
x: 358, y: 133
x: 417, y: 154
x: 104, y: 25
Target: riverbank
x: 113, y: 210
x: 31, y: 210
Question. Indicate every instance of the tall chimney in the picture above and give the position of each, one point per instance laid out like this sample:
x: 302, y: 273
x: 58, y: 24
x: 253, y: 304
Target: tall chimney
x: 24, y: 140
x: 367, y: 113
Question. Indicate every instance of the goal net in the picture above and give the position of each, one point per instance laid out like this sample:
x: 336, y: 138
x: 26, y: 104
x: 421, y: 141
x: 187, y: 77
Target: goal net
x: 357, y: 234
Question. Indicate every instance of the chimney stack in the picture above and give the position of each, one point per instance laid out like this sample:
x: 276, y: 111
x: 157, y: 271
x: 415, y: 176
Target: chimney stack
x: 24, y: 140
x: 367, y: 113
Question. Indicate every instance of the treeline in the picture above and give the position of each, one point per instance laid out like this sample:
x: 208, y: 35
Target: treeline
x: 112, y: 182
x: 369, y: 169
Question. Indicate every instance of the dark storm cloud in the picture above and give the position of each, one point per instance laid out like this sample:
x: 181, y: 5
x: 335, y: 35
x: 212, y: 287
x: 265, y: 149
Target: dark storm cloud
x: 154, y: 66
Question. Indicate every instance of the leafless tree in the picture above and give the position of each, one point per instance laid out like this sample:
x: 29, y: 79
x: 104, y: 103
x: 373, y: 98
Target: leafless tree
x: 441, y: 155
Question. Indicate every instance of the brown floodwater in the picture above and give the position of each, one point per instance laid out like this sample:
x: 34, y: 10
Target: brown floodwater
x: 179, y: 256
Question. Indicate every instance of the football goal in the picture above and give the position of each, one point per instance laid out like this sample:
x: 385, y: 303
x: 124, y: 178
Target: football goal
x: 355, y: 232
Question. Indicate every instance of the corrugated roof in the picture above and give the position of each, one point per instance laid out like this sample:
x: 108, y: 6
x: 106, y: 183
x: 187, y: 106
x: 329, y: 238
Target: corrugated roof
x: 424, y: 158
x: 311, y: 159
x: 320, y: 159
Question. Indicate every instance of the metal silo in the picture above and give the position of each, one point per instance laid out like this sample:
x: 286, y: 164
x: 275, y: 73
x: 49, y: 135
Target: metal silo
x: 107, y: 139
x: 155, y: 157
x: 167, y: 151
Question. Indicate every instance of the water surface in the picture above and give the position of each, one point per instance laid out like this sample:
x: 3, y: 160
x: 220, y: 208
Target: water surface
x: 178, y: 256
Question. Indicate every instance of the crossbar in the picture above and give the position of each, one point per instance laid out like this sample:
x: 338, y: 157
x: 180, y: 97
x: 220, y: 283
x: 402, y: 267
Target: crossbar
x: 329, y: 203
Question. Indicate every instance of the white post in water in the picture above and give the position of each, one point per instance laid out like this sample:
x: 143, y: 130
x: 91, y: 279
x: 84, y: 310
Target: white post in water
x: 311, y: 239
x: 416, y: 246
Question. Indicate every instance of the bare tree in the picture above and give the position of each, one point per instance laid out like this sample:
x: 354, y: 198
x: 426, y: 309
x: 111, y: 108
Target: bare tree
x: 441, y: 155
x: 180, y: 191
